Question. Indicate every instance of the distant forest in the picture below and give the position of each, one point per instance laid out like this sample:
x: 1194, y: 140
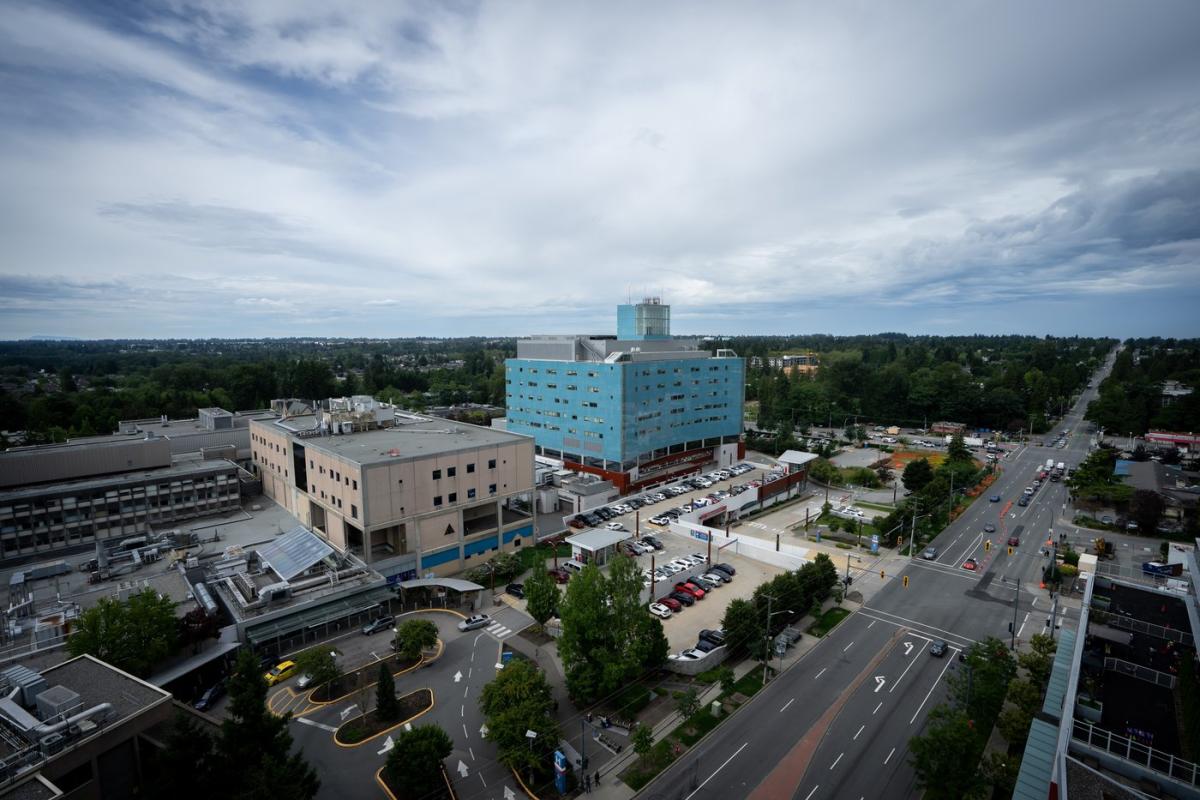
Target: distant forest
x: 57, y: 389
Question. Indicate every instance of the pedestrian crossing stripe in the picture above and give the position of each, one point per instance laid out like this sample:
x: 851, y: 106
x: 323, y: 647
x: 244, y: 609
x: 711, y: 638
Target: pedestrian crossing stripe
x: 498, y: 630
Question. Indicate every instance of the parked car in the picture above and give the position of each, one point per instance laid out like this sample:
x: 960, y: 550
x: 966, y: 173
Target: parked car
x: 690, y: 588
x: 693, y: 653
x: 660, y: 610
x: 705, y: 646
x: 725, y: 568
x: 210, y: 697
x: 671, y: 603
x: 715, y: 636
x: 938, y: 648
x: 517, y: 590
x: 377, y: 625
x: 475, y: 621
x: 615, y: 526
x: 704, y: 583
x: 653, y: 541
x: 280, y: 672
x: 1024, y: 501
x: 660, y: 520
x: 683, y: 597
x: 717, y: 577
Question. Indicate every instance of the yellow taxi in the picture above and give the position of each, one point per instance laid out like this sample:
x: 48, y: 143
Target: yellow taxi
x: 280, y: 672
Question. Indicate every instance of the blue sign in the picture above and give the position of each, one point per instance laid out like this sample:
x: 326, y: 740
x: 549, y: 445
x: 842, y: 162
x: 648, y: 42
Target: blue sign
x: 506, y: 656
x: 560, y: 772
x: 875, y: 543
x: 701, y: 535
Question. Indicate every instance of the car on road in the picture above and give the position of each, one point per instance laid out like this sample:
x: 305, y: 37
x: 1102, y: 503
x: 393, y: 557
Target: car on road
x: 938, y: 648
x: 1024, y: 501
x: 660, y: 610
x: 1107, y: 520
x: 1028, y: 490
x: 995, y: 498
x: 671, y: 603
x: 970, y: 564
x: 211, y: 696
x: 517, y: 590
x: 1014, y: 541
x: 989, y: 528
x: 475, y: 621
x: 377, y: 625
x: 930, y: 554
x: 280, y: 672
x: 685, y: 598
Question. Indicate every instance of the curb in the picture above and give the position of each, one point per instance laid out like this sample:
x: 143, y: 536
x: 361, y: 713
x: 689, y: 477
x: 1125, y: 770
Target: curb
x: 432, y: 703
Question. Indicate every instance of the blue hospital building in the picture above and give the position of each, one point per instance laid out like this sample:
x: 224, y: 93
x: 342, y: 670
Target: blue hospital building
x: 636, y: 408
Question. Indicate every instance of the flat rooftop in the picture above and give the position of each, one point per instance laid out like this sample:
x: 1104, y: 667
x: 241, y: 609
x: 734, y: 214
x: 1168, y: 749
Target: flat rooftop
x: 96, y: 682
x: 174, y: 472
x: 411, y: 438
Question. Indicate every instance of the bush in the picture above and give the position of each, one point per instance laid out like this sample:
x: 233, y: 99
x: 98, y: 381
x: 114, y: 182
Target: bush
x: 631, y: 700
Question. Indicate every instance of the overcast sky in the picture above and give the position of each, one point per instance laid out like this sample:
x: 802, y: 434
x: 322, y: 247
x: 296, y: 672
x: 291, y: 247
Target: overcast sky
x: 280, y: 169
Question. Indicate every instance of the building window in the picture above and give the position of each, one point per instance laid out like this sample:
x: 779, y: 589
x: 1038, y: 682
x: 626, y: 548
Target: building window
x: 437, y: 500
x: 437, y: 474
x: 470, y: 468
x: 354, y: 484
x: 453, y: 498
x: 491, y: 463
x: 491, y: 488
x: 451, y: 472
x: 470, y: 493
x: 353, y: 511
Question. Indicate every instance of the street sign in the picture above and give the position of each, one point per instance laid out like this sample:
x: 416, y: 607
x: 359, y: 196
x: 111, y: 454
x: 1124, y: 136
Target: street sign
x: 875, y: 543
x: 560, y: 772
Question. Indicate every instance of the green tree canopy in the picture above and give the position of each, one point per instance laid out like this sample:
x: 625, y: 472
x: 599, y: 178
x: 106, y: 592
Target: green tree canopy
x: 917, y: 474
x: 135, y: 635
x: 541, y: 596
x: 386, y: 707
x: 415, y: 635
x: 319, y: 663
x: 517, y: 700
x: 414, y: 765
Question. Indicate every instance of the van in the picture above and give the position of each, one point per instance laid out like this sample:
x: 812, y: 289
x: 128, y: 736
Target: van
x: 573, y: 565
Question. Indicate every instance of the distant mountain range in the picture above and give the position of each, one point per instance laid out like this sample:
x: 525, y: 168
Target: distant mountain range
x: 53, y: 339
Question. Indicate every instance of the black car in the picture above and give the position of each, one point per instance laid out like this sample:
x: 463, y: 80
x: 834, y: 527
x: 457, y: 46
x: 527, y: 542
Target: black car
x: 517, y: 590
x: 377, y: 625
x: 716, y: 637
x: 937, y: 649
x: 211, y: 696
x: 604, y: 514
x: 728, y: 570
x: 683, y: 597
x: 706, y: 646
x: 653, y: 542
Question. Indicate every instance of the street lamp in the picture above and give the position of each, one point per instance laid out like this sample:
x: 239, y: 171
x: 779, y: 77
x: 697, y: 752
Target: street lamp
x: 767, y: 654
x: 530, y: 735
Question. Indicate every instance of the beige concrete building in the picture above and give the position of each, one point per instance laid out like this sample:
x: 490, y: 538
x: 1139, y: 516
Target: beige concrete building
x: 410, y: 495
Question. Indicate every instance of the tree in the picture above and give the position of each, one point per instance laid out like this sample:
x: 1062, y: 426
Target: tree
x: 413, y: 636
x: 1040, y: 659
x: 319, y: 663
x: 414, y: 765
x: 586, y: 645
x: 187, y: 753
x: 917, y: 474
x: 957, y: 450
x: 727, y: 679
x: 688, y: 703
x: 643, y: 739
x: 541, y: 596
x: 134, y: 635
x: 517, y: 700
x: 1147, y: 509
x: 386, y: 707
x: 943, y: 755
x: 744, y: 627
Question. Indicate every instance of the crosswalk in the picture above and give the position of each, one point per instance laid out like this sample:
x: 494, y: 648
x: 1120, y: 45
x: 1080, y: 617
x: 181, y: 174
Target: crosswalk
x: 498, y: 630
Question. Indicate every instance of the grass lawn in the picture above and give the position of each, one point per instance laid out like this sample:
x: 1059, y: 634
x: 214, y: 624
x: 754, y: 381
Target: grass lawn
x: 875, y: 506
x: 900, y: 458
x: 826, y: 621
x: 643, y: 770
x: 533, y: 556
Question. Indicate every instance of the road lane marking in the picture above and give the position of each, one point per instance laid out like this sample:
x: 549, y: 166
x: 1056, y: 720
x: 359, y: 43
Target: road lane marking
x: 814, y: 791
x: 785, y: 705
x: 835, y: 761
x: 889, y: 756
x: 872, y: 623
x: 847, y: 647
x: 931, y: 688
x: 315, y: 724
x: 472, y: 752
x: 876, y: 711
x: 866, y: 611
x: 465, y: 734
x: 860, y: 730
x: 819, y: 674
x: 911, y: 661
x: 718, y: 769
x: 462, y: 711
x: 466, y: 690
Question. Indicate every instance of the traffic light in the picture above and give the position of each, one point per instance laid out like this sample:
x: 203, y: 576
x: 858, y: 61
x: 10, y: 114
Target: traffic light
x: 1010, y: 551
x: 905, y: 581
x: 987, y: 545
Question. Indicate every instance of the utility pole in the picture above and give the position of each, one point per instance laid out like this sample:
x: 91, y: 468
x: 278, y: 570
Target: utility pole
x: 767, y: 632
x: 1016, y: 598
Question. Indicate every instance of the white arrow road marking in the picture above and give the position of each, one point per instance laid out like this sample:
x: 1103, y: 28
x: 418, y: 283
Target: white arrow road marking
x: 462, y: 769
x: 907, y: 648
x: 348, y: 711
x: 322, y: 726
x: 508, y: 794
x: 879, y: 682
x: 388, y: 744
x: 483, y: 730
x: 458, y: 676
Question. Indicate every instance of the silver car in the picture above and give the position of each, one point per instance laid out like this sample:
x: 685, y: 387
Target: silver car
x: 475, y: 621
x: 930, y: 554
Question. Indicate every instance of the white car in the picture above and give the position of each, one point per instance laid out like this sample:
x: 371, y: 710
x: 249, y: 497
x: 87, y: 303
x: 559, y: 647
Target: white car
x: 692, y: 654
x: 660, y: 521
x: 615, y: 526
x: 659, y: 610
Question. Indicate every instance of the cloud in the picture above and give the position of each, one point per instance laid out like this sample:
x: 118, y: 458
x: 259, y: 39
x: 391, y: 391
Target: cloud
x: 447, y: 168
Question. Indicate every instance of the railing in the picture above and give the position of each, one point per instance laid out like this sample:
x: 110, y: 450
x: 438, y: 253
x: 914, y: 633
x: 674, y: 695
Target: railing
x: 1138, y: 626
x: 1141, y: 673
x: 1133, y: 751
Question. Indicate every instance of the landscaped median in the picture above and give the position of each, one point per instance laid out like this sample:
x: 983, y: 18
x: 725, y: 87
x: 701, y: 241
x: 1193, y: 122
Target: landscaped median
x: 368, y: 726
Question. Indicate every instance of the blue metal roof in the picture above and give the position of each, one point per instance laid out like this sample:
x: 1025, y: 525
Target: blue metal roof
x: 1122, y: 468
x: 1037, y: 764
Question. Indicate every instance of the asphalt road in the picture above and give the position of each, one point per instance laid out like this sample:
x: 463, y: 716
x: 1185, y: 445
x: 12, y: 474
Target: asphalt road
x: 837, y: 724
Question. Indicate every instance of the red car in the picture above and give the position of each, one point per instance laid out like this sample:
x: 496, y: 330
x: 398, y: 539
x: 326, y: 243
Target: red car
x: 970, y: 564
x: 690, y: 588
x: 671, y: 603
x: 1014, y: 541
x: 559, y: 575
